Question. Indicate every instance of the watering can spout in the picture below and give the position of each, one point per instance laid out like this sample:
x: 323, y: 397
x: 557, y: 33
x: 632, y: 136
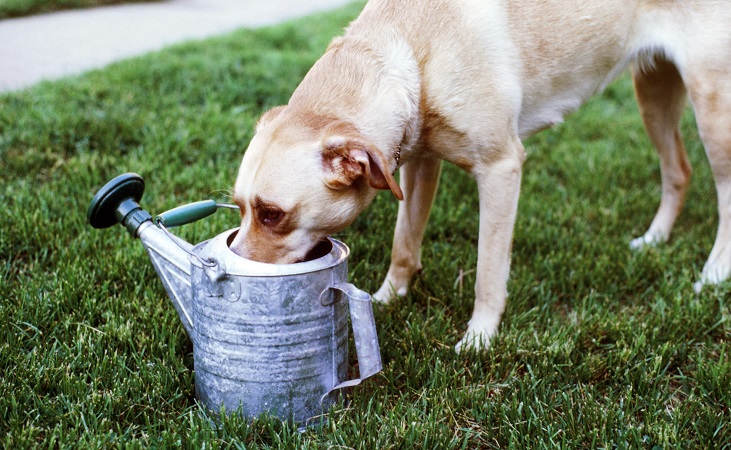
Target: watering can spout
x: 117, y: 202
x: 169, y: 256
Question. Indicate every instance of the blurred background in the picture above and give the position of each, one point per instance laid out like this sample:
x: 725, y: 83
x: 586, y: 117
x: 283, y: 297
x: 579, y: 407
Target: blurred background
x: 49, y: 39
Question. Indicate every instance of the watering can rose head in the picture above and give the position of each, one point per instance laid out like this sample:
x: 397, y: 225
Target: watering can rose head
x: 303, y: 178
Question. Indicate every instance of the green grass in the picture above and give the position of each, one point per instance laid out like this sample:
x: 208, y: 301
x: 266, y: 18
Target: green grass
x: 600, y: 347
x: 19, y: 8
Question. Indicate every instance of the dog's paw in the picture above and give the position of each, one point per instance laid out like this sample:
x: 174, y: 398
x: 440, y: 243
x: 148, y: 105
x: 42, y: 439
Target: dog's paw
x: 477, y: 336
x: 712, y: 274
x: 473, y: 341
x: 388, y: 292
x: 648, y: 240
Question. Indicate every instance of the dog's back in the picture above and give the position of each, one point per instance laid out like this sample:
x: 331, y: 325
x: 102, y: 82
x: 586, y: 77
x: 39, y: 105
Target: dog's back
x: 551, y: 56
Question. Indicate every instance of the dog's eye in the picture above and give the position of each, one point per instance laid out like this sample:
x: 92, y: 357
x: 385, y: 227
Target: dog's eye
x: 271, y: 216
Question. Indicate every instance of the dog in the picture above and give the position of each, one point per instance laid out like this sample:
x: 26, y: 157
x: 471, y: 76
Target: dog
x: 414, y: 82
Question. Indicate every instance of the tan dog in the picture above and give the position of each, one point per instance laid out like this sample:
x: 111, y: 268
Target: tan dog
x: 414, y: 82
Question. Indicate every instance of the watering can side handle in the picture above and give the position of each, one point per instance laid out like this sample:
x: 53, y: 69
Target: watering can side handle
x: 364, y: 334
x: 185, y: 214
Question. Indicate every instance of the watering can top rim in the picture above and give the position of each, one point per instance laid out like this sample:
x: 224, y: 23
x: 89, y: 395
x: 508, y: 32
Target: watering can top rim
x: 217, y: 250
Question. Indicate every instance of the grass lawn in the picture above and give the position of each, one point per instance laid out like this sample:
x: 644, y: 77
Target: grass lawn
x: 18, y: 8
x: 600, y: 347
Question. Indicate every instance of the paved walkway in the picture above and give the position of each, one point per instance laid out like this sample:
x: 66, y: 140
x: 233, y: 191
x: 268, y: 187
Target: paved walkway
x: 51, y: 46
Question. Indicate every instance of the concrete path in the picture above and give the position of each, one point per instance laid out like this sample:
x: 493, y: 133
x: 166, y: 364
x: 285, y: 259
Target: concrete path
x: 50, y: 46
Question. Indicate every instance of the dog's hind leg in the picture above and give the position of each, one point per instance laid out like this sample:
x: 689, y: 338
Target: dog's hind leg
x: 419, y: 181
x: 661, y: 96
x: 710, y: 95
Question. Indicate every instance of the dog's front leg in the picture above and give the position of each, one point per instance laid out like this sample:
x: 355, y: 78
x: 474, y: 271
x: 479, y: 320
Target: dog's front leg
x: 498, y: 183
x: 419, y: 180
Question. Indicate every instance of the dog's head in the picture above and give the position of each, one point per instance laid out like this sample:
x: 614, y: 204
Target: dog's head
x: 303, y: 178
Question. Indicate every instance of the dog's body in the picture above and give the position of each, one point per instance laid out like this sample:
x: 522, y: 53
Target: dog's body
x: 414, y: 82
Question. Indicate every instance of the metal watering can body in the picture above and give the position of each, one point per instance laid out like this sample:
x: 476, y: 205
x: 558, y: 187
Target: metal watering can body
x: 266, y: 338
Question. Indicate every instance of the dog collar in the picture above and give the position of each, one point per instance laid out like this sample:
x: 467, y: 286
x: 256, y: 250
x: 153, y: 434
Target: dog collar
x: 397, y: 159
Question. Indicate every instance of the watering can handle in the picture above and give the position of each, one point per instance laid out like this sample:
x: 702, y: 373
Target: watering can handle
x: 364, y: 334
x: 185, y: 214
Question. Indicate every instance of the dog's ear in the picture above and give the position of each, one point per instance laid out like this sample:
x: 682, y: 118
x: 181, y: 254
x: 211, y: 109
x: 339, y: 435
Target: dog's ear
x: 269, y: 116
x: 348, y: 157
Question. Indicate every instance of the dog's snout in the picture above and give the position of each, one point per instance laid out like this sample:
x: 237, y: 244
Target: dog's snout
x: 268, y: 251
x: 262, y: 251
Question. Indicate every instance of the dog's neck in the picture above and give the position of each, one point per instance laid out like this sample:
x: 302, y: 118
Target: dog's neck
x: 372, y: 81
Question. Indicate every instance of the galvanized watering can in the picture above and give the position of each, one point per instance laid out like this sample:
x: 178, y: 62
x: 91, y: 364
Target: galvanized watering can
x: 267, y: 338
